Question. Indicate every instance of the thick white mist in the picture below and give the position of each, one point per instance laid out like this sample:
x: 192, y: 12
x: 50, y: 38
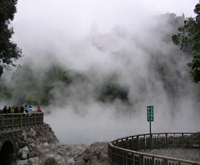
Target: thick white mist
x: 100, y: 38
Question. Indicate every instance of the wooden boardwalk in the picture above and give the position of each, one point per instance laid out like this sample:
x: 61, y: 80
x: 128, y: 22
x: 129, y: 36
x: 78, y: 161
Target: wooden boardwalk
x: 128, y: 150
x: 19, y: 120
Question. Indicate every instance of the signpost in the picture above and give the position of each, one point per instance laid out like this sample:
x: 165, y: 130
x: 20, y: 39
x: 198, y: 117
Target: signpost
x: 150, y: 118
x: 150, y: 113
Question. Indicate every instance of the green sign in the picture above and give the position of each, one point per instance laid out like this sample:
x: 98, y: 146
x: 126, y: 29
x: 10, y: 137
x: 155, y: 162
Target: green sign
x: 150, y: 113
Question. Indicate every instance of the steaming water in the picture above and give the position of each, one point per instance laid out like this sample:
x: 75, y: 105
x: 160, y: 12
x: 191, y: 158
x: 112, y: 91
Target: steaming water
x: 100, y: 39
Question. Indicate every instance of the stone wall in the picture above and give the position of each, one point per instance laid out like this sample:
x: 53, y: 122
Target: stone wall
x: 36, y: 142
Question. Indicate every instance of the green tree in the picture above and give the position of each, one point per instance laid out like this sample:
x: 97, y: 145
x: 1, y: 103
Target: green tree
x: 9, y: 52
x: 189, y: 39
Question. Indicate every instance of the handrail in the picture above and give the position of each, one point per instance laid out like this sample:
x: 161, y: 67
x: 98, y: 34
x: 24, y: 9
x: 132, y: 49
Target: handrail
x: 128, y: 150
x: 19, y: 120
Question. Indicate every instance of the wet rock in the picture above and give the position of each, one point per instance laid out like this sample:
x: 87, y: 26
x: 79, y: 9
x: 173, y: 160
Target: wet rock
x: 42, y: 139
x: 24, y: 136
x: 36, y: 148
x: 80, y: 162
x: 87, y: 151
x: 103, y: 157
x: 87, y: 157
x: 31, y: 145
x: 21, y: 162
x: 33, y: 160
x: 50, y: 161
x: 46, y: 144
x: 30, y: 140
x: 32, y: 154
x: 71, y: 161
x: 22, y: 144
x: 98, y: 153
x: 23, y: 155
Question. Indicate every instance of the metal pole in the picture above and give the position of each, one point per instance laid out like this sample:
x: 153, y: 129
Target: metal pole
x: 150, y: 135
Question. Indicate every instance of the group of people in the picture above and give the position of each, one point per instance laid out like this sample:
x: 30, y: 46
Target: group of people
x: 20, y: 109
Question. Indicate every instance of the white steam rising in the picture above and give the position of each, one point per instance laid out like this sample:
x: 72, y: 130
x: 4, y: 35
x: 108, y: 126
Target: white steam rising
x: 101, y: 38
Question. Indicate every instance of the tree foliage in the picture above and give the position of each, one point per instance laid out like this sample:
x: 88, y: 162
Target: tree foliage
x: 111, y: 91
x: 9, y: 52
x: 189, y: 37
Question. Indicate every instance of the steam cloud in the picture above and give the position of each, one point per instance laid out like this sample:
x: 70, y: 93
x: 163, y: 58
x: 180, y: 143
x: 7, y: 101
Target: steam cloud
x: 99, y: 39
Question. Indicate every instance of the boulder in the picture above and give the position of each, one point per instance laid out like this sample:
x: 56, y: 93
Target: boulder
x: 80, y: 162
x: 24, y: 136
x: 50, y: 161
x: 87, y: 157
x: 46, y: 144
x: 25, y: 148
x: 30, y: 140
x: 32, y: 154
x: 21, y: 162
x: 22, y: 144
x: 71, y: 161
x: 87, y: 151
x: 31, y: 145
x: 50, y: 155
x: 33, y: 160
x: 103, y: 157
x: 23, y: 155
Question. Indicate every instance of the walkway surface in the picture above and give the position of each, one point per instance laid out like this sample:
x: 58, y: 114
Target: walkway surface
x: 187, y: 154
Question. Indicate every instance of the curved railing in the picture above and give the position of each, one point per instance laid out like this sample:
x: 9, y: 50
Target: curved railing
x: 19, y: 120
x: 128, y: 150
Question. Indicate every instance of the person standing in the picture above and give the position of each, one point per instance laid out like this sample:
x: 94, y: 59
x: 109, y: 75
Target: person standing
x: 5, y: 109
x: 26, y: 108
x: 21, y: 109
x: 39, y: 110
x: 30, y: 110
x: 9, y: 109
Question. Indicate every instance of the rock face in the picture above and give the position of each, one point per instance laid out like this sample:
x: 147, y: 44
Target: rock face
x: 40, y: 146
x: 95, y: 154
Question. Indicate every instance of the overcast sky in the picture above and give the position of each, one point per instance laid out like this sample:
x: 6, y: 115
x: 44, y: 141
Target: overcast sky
x: 41, y: 21
x: 77, y: 16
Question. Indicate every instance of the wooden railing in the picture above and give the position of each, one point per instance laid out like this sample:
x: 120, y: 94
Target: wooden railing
x: 128, y: 150
x: 19, y: 120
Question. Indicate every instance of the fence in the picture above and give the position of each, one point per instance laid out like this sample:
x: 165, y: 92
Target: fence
x: 128, y: 150
x: 19, y: 120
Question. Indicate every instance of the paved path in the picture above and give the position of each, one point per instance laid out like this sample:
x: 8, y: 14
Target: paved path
x: 187, y: 154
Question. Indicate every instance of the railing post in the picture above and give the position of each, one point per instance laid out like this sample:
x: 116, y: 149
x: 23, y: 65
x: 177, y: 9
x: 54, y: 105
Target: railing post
x: 2, y: 122
x: 35, y: 118
x: 150, y: 141
x: 165, y: 161
x: 28, y: 119
x: 111, y: 154
x: 152, y: 162
x: 182, y: 141
x: 21, y: 120
x: 127, y: 143
x: 12, y: 123
x: 137, y: 145
x: 199, y: 140
x: 141, y: 159
x: 133, y: 159
x: 123, y: 159
x: 166, y: 140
